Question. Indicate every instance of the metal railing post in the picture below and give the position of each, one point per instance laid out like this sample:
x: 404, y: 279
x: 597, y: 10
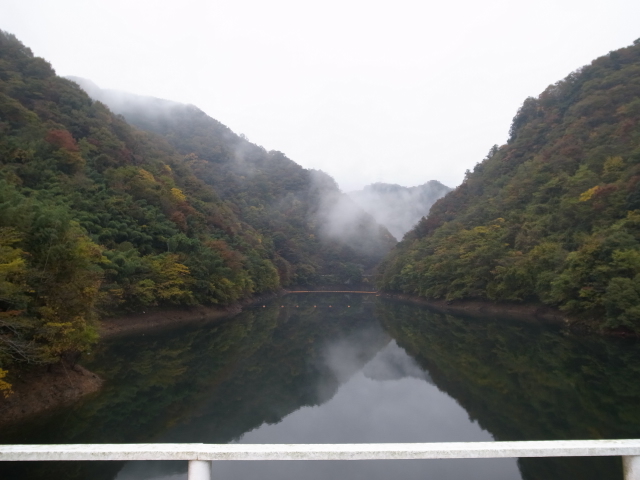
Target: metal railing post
x: 199, y: 470
x: 631, y: 467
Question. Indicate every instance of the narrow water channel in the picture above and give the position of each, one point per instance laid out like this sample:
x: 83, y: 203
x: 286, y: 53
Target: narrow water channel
x: 336, y: 368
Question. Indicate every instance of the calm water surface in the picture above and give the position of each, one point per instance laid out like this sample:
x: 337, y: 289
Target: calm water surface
x: 329, y: 368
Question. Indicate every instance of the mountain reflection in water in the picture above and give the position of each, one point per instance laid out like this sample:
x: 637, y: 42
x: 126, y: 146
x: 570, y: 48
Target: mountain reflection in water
x: 320, y: 368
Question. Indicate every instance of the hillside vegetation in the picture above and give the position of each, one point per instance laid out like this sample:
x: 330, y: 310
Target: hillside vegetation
x: 319, y: 234
x: 553, y: 216
x: 99, y: 218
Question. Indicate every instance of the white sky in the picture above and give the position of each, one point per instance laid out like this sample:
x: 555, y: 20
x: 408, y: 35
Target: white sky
x: 396, y: 91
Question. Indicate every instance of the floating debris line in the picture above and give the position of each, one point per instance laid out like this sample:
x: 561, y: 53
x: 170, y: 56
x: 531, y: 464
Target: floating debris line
x: 331, y: 291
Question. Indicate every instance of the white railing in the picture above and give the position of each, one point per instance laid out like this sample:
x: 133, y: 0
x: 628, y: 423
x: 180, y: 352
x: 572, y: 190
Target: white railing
x: 201, y: 455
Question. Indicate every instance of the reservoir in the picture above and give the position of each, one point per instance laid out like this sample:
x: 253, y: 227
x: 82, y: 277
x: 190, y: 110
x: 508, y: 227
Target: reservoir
x: 348, y: 368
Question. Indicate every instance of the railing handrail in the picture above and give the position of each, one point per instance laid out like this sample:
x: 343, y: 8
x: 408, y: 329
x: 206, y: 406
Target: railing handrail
x: 360, y: 451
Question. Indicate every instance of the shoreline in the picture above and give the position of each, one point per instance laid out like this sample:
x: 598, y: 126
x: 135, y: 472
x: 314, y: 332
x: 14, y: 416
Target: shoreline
x: 528, y: 312
x: 45, y: 388
x: 42, y: 389
x: 160, y: 318
x: 151, y: 320
x: 484, y: 308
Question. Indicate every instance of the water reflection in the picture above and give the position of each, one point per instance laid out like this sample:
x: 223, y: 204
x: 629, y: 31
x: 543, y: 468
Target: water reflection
x: 336, y: 369
x: 526, y: 381
x: 384, y: 397
x: 393, y: 363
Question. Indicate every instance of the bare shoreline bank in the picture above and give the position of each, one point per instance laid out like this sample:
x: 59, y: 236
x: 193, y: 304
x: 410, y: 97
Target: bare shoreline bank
x: 45, y: 388
x: 529, y: 312
x: 166, y: 318
x: 484, y: 308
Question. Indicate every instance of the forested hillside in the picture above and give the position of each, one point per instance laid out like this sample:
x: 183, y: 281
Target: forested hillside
x: 553, y: 216
x: 396, y: 207
x: 318, y: 233
x: 98, y: 217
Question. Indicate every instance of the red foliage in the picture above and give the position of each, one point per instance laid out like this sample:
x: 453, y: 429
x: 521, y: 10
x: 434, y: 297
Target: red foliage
x: 124, y: 156
x: 62, y: 139
x: 569, y: 148
x: 180, y: 220
x: 600, y: 197
x: 605, y: 190
x: 626, y: 127
x: 633, y: 182
x: 232, y: 258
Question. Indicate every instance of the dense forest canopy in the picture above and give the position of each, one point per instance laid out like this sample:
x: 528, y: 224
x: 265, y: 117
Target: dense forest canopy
x: 553, y: 216
x: 99, y: 217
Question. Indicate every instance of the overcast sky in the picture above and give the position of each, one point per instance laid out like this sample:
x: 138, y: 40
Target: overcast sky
x: 396, y: 91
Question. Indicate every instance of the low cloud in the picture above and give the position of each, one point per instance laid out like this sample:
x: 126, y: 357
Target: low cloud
x: 399, y: 208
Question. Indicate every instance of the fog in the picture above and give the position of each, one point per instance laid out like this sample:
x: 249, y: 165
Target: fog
x: 149, y: 113
x: 123, y: 102
x: 396, y: 207
x: 341, y: 219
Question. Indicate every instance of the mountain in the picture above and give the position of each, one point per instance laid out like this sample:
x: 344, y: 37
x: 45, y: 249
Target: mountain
x: 98, y: 217
x: 399, y: 208
x: 553, y: 216
x: 319, y: 234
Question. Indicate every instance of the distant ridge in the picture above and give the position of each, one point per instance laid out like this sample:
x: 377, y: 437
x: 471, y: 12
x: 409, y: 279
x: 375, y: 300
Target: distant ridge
x: 396, y: 207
